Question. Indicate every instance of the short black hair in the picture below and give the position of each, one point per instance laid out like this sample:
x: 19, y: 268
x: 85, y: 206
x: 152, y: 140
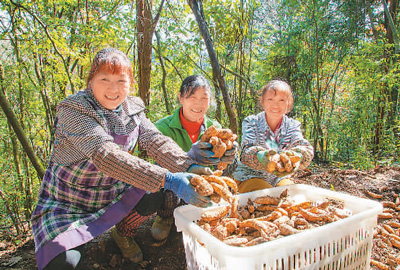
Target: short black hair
x: 192, y: 83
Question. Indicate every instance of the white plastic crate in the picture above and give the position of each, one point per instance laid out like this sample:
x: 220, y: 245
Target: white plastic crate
x: 344, y: 244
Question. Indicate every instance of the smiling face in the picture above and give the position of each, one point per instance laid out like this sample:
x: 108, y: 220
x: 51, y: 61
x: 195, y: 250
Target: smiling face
x: 110, y: 77
x: 195, y: 106
x: 275, y: 104
x: 109, y: 89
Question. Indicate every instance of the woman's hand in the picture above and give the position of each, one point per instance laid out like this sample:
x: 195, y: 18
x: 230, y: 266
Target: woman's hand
x: 230, y: 155
x: 179, y: 183
x: 199, y: 169
x: 201, y: 152
x: 263, y: 157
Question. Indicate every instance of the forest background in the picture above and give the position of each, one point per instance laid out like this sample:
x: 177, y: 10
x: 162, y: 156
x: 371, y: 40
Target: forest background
x: 339, y: 56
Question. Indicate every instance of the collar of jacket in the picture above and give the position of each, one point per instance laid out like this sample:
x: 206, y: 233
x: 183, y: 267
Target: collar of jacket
x: 262, y: 123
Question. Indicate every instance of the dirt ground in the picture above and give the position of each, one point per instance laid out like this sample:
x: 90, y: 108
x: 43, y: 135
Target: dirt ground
x: 103, y: 254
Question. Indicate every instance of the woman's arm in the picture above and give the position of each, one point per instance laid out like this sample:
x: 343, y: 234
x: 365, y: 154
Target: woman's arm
x: 249, y: 144
x: 299, y: 144
x: 162, y: 148
x: 81, y: 136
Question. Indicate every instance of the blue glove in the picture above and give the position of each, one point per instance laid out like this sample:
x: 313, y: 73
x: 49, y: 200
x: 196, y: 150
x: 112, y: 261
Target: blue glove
x: 179, y: 183
x: 202, y: 154
x: 200, y: 170
x: 230, y: 155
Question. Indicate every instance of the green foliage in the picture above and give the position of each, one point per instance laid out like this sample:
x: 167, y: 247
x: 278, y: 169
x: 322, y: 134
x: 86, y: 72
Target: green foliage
x: 46, y: 50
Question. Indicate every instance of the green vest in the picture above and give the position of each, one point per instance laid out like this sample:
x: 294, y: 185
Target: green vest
x: 171, y: 126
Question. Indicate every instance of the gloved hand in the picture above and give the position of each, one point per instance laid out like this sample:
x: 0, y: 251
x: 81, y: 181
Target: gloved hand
x: 271, y: 144
x: 180, y: 184
x: 202, y: 154
x: 295, y: 165
x: 200, y: 170
x: 262, y: 157
x: 230, y: 155
x: 299, y: 156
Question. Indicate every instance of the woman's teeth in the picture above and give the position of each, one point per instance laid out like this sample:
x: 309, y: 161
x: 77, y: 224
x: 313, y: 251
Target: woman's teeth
x: 112, y: 98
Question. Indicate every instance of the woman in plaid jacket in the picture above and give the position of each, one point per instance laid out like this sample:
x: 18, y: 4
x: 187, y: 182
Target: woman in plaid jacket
x: 93, y: 182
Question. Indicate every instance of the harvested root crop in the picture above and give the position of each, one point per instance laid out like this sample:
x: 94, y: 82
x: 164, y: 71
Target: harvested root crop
x: 215, y: 213
x: 221, y: 140
x: 222, y: 191
x: 215, y: 198
x: 236, y: 241
x: 202, y: 186
x: 281, y: 162
x: 215, y: 186
x: 210, y: 132
x: 380, y: 265
x: 267, y: 218
x: 373, y: 195
x: 267, y: 200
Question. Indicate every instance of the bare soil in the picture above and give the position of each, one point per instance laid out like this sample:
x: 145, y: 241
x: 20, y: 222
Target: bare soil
x: 103, y: 254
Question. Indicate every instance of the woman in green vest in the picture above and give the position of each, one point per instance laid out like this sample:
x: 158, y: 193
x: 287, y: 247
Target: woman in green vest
x: 185, y: 126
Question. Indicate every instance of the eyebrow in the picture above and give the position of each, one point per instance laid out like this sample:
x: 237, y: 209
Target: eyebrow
x: 102, y: 73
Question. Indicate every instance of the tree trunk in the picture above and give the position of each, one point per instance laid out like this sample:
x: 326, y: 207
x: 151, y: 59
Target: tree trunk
x: 241, y: 92
x: 23, y: 188
x: 28, y: 203
x: 379, y: 123
x: 39, y: 71
x: 19, y: 131
x: 144, y: 36
x: 196, y: 6
x: 145, y: 27
x: 393, y: 93
x: 10, y: 213
x: 388, y: 98
x: 218, y: 113
x: 390, y: 16
x: 168, y: 105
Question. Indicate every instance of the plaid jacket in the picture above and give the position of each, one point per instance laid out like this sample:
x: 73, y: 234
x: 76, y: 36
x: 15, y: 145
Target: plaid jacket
x: 257, y: 136
x: 92, y: 181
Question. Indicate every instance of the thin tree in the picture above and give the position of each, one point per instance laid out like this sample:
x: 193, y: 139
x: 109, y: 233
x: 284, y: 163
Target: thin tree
x: 168, y: 105
x: 19, y: 131
x: 197, y: 9
x: 145, y: 27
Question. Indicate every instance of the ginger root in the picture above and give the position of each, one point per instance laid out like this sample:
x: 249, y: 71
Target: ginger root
x: 267, y: 200
x: 219, y: 147
x: 282, y: 162
x: 222, y: 191
x: 202, y: 186
x: 268, y: 217
x: 221, y: 140
x: 215, y: 213
x: 215, y: 186
x: 210, y: 132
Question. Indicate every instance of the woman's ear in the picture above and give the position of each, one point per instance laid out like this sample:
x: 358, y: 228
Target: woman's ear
x: 180, y: 99
x: 261, y: 102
